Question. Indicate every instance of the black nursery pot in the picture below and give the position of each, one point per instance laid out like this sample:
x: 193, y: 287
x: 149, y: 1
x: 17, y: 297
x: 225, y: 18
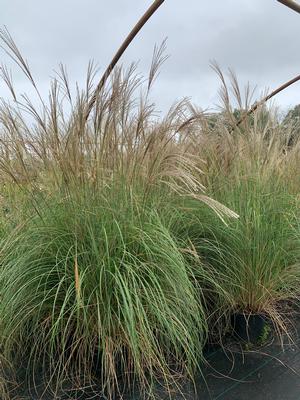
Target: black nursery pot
x: 249, y: 328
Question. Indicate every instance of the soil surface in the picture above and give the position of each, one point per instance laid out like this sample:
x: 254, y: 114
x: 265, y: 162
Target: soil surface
x: 233, y: 372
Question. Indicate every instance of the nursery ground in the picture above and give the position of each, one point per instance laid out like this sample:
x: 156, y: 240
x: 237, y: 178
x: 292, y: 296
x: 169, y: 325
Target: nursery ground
x: 232, y: 373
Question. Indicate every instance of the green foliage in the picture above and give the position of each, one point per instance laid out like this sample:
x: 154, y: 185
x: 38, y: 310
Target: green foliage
x: 265, y: 334
x: 255, y: 259
x: 293, y: 115
x: 100, y: 277
x: 292, y: 120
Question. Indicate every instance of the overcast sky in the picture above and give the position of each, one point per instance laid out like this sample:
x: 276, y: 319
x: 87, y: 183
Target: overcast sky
x: 259, y: 39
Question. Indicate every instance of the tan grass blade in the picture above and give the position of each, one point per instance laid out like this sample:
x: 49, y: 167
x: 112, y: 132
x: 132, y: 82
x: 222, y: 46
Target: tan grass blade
x: 148, y: 14
x: 268, y: 97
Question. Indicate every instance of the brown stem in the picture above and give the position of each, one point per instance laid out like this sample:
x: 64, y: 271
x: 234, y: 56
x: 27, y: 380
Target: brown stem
x: 148, y: 14
x: 291, y: 4
x: 265, y: 99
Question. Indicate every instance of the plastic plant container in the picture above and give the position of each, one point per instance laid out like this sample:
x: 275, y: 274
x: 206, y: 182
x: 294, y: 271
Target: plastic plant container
x: 250, y: 328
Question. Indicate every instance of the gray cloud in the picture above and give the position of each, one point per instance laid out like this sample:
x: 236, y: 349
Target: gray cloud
x: 258, y: 39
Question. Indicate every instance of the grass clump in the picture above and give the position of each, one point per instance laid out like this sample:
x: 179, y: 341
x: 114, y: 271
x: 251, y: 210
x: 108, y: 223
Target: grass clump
x: 114, y: 263
x: 93, y: 283
x: 101, y: 283
x: 254, y: 259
